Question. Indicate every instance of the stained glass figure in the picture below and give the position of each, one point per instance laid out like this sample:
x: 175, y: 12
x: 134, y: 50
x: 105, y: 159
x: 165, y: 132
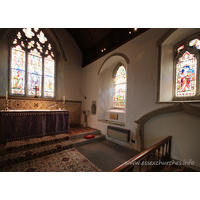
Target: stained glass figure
x: 34, y: 72
x: 186, y: 72
x: 120, y: 88
x: 17, y: 75
x: 180, y: 48
x: 28, y: 32
x: 49, y: 71
x: 195, y: 42
x: 41, y: 37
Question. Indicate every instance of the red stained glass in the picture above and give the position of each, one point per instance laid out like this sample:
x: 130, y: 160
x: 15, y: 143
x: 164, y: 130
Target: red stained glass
x: 186, y: 71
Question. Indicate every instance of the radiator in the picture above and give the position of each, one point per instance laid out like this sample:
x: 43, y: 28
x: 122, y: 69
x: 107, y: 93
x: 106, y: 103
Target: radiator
x: 118, y: 133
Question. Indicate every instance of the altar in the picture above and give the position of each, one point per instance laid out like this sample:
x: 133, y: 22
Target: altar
x: 25, y: 124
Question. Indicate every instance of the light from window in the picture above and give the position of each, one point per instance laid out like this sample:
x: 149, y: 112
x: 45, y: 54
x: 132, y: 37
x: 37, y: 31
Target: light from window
x: 195, y: 42
x: 41, y: 37
x: 49, y: 77
x: 34, y: 72
x: 119, y: 88
x: 17, y: 74
x: 28, y: 32
x: 186, y: 71
x: 180, y: 48
x: 35, y: 69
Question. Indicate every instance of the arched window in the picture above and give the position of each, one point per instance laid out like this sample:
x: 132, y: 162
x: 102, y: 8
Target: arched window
x: 119, y: 87
x: 32, y: 64
x: 187, y: 69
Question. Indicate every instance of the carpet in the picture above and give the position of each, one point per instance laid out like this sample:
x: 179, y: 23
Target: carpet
x: 69, y: 160
x: 173, y: 168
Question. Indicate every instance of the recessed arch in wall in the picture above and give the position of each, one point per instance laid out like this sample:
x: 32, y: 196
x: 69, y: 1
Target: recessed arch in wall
x: 177, y: 107
x: 114, y: 59
x: 106, y: 88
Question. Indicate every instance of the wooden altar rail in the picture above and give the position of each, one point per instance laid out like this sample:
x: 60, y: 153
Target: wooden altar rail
x: 160, y: 151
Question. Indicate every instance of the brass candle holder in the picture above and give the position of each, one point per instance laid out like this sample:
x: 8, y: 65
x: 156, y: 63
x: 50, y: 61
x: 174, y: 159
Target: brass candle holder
x: 6, y: 105
x: 63, y: 106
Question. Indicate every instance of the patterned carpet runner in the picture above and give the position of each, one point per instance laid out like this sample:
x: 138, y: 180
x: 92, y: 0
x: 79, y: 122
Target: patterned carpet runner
x: 64, y: 161
x: 24, y: 150
x: 47, y: 154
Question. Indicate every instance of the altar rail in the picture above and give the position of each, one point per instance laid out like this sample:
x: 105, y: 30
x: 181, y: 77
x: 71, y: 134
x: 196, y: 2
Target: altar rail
x: 19, y: 125
x: 161, y: 151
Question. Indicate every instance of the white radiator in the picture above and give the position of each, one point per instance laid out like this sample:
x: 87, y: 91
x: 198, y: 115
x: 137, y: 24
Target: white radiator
x: 118, y: 133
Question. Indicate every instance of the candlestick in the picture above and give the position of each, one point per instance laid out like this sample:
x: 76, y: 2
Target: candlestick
x: 63, y: 98
x: 6, y: 95
x: 63, y: 106
x: 6, y: 105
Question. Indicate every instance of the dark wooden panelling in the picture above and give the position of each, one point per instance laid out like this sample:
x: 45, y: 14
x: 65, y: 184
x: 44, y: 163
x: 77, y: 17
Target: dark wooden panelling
x: 92, y: 40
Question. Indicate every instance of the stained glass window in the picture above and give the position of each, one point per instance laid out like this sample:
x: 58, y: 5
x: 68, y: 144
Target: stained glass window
x: 186, y: 73
x: 28, y: 32
x: 17, y: 74
x: 49, y: 77
x: 180, y: 48
x: 41, y: 37
x: 195, y: 42
x: 37, y: 69
x: 119, y: 88
x: 34, y: 72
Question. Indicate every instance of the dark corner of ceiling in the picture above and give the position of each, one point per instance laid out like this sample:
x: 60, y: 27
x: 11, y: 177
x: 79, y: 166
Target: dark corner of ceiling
x: 97, y: 42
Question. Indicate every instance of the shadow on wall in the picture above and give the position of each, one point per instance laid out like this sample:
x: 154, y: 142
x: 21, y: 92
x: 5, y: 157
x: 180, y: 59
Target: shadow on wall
x: 184, y: 129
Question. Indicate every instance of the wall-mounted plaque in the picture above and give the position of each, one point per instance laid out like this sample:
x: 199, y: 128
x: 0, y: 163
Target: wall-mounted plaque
x: 114, y: 116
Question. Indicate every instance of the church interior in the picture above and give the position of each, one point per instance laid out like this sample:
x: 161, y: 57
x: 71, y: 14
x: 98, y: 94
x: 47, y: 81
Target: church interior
x: 79, y: 90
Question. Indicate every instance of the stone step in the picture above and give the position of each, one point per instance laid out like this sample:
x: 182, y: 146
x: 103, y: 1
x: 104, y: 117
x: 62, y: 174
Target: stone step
x: 81, y: 140
x: 22, y: 145
x: 81, y: 135
x: 30, y: 154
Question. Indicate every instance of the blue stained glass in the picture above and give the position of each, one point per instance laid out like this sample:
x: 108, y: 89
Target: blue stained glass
x: 34, y: 72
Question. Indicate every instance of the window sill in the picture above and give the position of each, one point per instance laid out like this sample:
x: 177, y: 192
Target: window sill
x: 28, y: 98
x: 111, y: 122
x: 116, y: 110
x: 191, y: 101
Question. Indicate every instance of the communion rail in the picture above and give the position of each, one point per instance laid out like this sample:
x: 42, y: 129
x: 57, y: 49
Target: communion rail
x: 150, y: 159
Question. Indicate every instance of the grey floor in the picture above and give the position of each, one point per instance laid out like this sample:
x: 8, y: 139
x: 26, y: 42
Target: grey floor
x: 106, y: 155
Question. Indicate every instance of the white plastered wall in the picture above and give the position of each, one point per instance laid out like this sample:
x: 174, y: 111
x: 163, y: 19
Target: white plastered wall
x: 142, y: 79
x: 184, y: 129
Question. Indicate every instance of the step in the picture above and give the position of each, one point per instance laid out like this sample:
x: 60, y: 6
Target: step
x: 81, y: 140
x: 81, y: 135
x: 22, y: 145
x: 30, y: 154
